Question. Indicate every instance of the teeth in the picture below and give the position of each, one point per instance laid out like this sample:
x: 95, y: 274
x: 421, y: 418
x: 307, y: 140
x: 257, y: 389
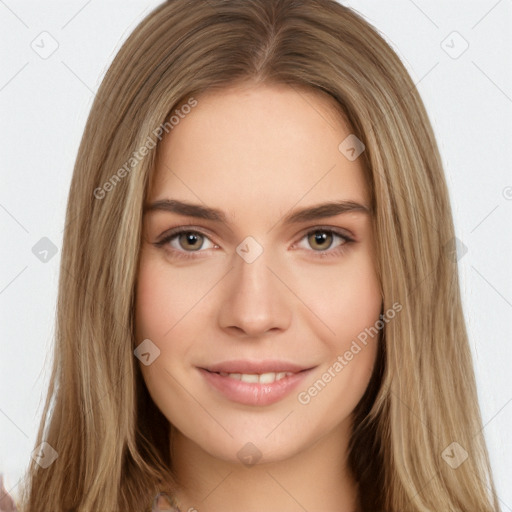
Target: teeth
x: 252, y: 378
x: 264, y: 378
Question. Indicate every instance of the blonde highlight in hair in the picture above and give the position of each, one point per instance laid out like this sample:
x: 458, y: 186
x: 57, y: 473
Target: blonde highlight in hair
x: 113, y: 443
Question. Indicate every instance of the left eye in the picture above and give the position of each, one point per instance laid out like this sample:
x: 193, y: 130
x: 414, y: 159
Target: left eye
x: 323, y: 239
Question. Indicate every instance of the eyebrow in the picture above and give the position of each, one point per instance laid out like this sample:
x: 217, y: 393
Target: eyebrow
x: 315, y: 212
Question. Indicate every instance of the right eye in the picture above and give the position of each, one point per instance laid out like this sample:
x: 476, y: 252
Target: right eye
x: 184, y: 241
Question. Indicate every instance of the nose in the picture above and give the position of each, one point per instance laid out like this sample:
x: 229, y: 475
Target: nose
x: 255, y: 301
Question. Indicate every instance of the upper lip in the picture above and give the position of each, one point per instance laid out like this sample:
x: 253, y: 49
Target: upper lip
x: 253, y: 367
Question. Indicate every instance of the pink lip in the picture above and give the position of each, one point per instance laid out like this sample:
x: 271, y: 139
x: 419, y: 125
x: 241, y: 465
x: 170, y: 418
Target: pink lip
x: 248, y: 393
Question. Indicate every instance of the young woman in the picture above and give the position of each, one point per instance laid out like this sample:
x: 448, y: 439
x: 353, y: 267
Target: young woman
x: 259, y: 306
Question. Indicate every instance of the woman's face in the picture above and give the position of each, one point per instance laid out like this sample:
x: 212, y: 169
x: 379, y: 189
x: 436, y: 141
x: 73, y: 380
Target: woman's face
x: 254, y: 312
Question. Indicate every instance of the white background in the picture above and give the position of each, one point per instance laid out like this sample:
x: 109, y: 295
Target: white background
x: 43, y: 108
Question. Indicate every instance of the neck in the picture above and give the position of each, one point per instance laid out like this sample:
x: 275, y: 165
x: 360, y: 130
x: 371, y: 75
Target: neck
x: 315, y: 479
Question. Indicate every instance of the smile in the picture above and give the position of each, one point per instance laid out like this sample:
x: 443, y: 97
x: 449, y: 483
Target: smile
x: 253, y: 387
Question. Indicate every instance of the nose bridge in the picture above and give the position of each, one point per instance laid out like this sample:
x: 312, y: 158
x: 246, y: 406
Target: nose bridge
x: 254, y: 301
x: 253, y: 279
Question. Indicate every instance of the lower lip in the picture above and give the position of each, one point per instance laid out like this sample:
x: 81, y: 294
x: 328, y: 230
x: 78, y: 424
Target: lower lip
x: 249, y: 393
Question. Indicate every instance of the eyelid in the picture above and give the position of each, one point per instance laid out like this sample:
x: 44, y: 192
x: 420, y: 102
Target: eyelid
x: 184, y: 228
x: 343, y: 233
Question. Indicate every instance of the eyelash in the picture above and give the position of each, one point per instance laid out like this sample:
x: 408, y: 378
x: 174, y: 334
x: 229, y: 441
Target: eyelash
x: 337, y: 251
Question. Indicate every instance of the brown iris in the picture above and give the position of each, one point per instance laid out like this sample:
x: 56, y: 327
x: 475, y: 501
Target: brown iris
x: 191, y: 241
x: 320, y: 240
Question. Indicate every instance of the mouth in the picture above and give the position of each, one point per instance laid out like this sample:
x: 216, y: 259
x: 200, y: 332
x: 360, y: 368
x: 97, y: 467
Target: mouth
x: 252, y: 383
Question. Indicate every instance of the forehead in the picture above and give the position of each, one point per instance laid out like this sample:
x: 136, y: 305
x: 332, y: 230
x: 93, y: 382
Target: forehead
x: 272, y: 143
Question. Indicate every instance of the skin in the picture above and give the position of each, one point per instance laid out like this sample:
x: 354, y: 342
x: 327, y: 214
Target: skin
x: 257, y: 152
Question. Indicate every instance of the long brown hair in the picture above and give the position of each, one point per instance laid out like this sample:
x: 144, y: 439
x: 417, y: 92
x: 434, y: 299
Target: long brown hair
x: 113, y: 444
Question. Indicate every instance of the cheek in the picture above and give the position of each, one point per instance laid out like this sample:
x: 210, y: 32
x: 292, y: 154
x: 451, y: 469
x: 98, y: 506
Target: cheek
x: 167, y: 307
x: 359, y: 299
x: 149, y: 319
x: 331, y: 395
x: 158, y: 310
x: 161, y: 302
x: 346, y: 299
x: 350, y: 305
x: 163, y: 297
